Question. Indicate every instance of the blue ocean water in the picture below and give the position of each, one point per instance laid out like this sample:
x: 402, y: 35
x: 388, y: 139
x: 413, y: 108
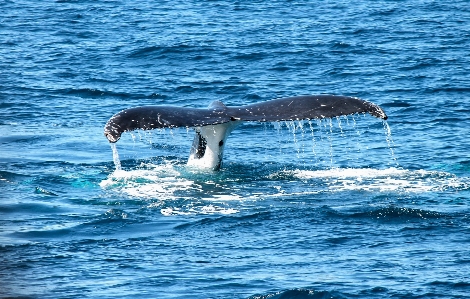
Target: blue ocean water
x: 352, y: 207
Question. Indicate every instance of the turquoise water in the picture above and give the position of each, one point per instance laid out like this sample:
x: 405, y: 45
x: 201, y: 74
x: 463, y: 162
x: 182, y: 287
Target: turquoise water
x: 352, y: 207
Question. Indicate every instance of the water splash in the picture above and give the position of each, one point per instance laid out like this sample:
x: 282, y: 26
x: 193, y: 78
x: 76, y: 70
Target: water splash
x: 391, y: 144
x: 117, y: 162
x: 171, y: 190
x: 149, y: 181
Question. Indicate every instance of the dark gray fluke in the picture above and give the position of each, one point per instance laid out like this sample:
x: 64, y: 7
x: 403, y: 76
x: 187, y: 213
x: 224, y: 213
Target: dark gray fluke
x: 292, y: 108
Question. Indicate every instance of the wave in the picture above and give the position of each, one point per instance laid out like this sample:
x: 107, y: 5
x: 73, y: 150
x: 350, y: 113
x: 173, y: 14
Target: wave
x: 375, y: 292
x: 11, y: 177
x: 399, y: 214
x: 301, y: 294
x: 93, y: 93
x: 163, y: 50
x: 307, y: 293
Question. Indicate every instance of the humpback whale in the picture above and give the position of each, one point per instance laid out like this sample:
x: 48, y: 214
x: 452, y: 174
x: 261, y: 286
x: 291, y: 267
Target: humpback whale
x: 214, y: 124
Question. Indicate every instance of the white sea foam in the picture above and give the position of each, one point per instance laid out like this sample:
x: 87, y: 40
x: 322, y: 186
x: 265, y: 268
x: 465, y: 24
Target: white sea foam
x: 207, y: 209
x: 175, y: 191
x: 150, y: 181
x: 167, y: 189
x: 390, y: 179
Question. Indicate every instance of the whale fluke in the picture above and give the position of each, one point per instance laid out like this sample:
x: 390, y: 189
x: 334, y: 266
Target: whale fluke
x: 214, y: 124
x: 155, y: 117
x: 292, y: 108
x: 307, y: 107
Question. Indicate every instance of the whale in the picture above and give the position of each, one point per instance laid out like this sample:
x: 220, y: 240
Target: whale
x: 214, y: 124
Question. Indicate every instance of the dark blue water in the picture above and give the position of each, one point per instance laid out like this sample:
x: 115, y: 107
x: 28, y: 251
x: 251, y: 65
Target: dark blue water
x: 345, y: 208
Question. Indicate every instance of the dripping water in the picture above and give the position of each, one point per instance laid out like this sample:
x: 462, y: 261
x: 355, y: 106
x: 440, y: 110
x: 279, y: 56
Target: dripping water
x: 302, y: 134
x: 313, y: 139
x: 330, y: 122
x: 292, y: 129
x: 323, y: 140
x: 278, y: 127
x: 117, y: 162
x: 391, y: 144
x: 357, y: 134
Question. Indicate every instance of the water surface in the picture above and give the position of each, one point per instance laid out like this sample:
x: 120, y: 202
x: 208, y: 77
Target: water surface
x: 345, y: 208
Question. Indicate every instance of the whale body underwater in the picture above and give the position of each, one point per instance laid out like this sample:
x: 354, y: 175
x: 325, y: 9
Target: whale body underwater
x: 214, y: 124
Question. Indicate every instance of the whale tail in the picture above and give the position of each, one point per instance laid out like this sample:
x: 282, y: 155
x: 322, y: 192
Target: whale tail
x: 214, y: 124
